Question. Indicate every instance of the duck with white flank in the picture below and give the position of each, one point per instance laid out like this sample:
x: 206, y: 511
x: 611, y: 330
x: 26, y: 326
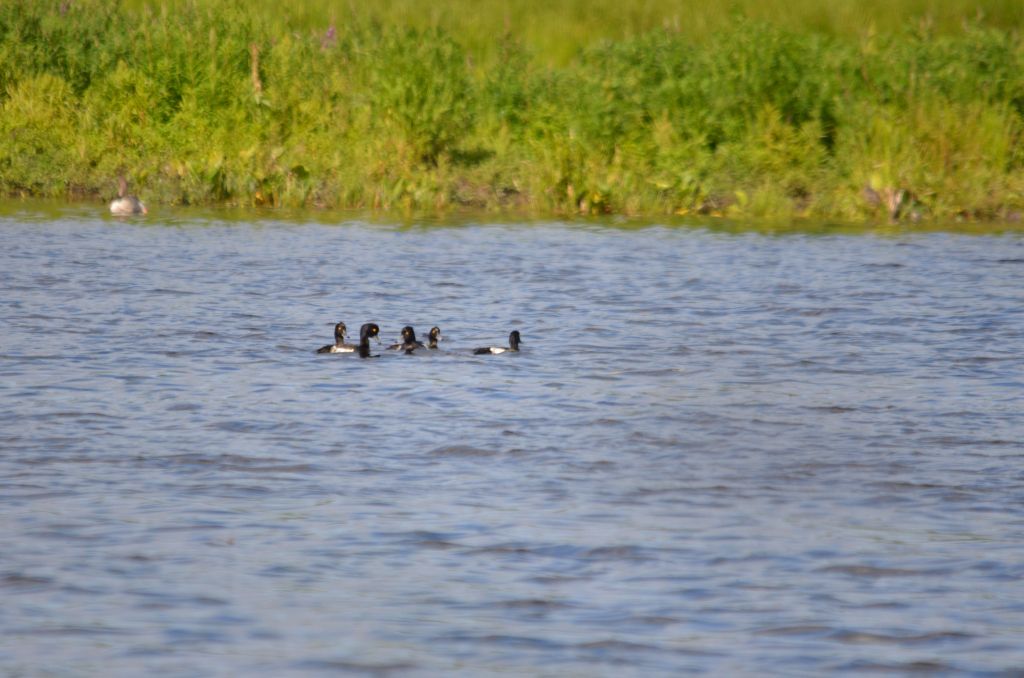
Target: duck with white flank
x: 513, y: 346
x: 366, y: 332
x: 125, y: 205
x: 339, y: 345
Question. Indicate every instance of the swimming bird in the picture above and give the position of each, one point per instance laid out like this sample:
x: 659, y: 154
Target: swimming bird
x: 367, y: 331
x: 513, y: 345
x: 339, y: 345
x: 435, y: 334
x: 409, y: 342
x: 125, y: 205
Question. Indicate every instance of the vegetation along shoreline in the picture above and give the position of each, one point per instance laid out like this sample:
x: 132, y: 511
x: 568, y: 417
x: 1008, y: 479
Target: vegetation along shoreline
x: 687, y: 112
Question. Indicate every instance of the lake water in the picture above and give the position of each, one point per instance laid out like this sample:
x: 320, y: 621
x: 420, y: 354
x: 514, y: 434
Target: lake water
x: 719, y: 451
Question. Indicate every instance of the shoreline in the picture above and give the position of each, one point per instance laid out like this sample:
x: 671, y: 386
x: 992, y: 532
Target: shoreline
x: 227, y: 104
x: 33, y: 207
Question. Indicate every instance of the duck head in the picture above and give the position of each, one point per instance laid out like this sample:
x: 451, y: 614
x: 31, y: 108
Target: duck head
x: 339, y: 333
x: 368, y: 331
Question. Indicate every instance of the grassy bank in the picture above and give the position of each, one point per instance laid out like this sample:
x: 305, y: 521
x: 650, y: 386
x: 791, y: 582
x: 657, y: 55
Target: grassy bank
x: 765, y: 109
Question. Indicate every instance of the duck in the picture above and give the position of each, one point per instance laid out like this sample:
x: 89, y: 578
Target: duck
x: 339, y: 345
x: 367, y: 331
x: 433, y: 336
x: 513, y: 346
x: 125, y: 205
x: 409, y: 342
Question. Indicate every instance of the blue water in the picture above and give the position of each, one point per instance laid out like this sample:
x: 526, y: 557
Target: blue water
x: 719, y: 451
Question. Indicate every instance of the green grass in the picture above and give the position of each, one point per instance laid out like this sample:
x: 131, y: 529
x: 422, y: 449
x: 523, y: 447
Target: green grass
x: 858, y: 110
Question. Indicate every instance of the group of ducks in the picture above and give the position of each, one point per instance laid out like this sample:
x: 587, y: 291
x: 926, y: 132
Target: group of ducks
x: 408, y: 344
x: 126, y: 205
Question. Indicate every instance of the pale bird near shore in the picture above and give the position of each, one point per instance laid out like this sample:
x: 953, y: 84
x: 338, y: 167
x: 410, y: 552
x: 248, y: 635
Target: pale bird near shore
x: 124, y: 205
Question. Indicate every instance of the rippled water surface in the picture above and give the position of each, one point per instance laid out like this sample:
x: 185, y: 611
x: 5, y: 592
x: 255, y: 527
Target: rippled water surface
x: 726, y: 452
